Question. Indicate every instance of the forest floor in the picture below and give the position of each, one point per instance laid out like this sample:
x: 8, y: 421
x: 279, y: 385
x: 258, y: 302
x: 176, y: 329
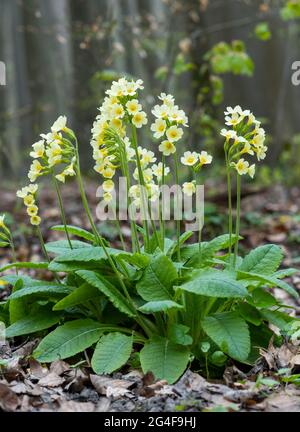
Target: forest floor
x: 269, y: 215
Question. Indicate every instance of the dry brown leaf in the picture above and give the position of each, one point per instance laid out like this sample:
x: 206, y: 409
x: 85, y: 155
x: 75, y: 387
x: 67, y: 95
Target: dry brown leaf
x: 51, y: 380
x: 72, y: 406
x: 110, y: 387
x: 9, y: 401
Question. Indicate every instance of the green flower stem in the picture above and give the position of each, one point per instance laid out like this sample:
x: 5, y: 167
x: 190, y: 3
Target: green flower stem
x: 62, y: 211
x: 162, y: 202
x: 229, y: 204
x: 142, y: 183
x: 40, y: 236
x: 144, y: 198
x: 120, y: 232
x: 177, y: 199
x: 134, y: 232
x: 140, y: 320
x: 200, y: 229
x: 238, y: 217
x: 13, y: 250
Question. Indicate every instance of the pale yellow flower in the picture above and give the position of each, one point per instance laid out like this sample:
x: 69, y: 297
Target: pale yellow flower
x: 133, y: 106
x: 29, y: 200
x: 32, y: 210
x: 241, y: 166
x: 139, y: 119
x: 174, y: 133
x: 117, y: 111
x: 158, y: 170
x: 59, y: 124
x: 167, y: 148
x: 189, y: 188
x: 2, y: 223
x: 38, y: 150
x: 35, y: 170
x: 108, y: 186
x: 159, y: 128
x: 189, y: 158
x: 35, y: 220
x: 107, y: 196
x: 205, y: 158
x: 251, y: 170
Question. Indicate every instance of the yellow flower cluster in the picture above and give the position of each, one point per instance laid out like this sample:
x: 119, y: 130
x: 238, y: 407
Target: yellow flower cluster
x: 168, y: 122
x: 53, y: 150
x: 28, y: 194
x: 246, y: 137
x: 120, y: 107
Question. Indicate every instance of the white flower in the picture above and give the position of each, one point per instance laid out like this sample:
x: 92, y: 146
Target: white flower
x: 139, y: 119
x: 147, y: 157
x: 242, y: 166
x: 174, y: 133
x: 54, y: 154
x: 2, y: 221
x: 59, y: 124
x: 247, y: 149
x: 35, y: 170
x: 159, y: 128
x: 117, y: 111
x: 108, y: 186
x: 167, y: 148
x: 158, y: 170
x: 251, y: 170
x: 160, y: 111
x: 189, y: 158
x: 228, y: 134
x: 147, y: 174
x: 205, y: 158
x: 167, y: 100
x: 38, y: 149
x: 189, y: 188
x: 261, y: 152
x: 133, y: 106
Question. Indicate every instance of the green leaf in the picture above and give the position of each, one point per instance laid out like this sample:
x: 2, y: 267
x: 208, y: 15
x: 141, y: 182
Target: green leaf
x: 270, y: 280
x: 230, y: 332
x: 70, y: 267
x: 214, y: 283
x: 136, y: 259
x: 80, y: 295
x: 277, y: 318
x: 109, y: 290
x: 178, y: 333
x: 249, y: 313
x: 182, y: 239
x: 111, y: 353
x: 280, y: 274
x: 165, y: 359
x: 86, y: 254
x: 52, y: 289
x: 159, y: 306
x: 32, y: 324
x: 67, y: 340
x: 208, y: 249
x: 62, y: 247
x: 25, y: 265
x: 263, y: 260
x: 79, y: 232
x: 262, y: 299
x: 157, y: 280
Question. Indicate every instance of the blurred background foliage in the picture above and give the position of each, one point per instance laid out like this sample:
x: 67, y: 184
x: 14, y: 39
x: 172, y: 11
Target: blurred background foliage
x: 61, y: 55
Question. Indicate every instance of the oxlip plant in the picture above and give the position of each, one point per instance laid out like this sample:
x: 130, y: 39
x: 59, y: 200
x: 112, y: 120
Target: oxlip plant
x: 165, y: 303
